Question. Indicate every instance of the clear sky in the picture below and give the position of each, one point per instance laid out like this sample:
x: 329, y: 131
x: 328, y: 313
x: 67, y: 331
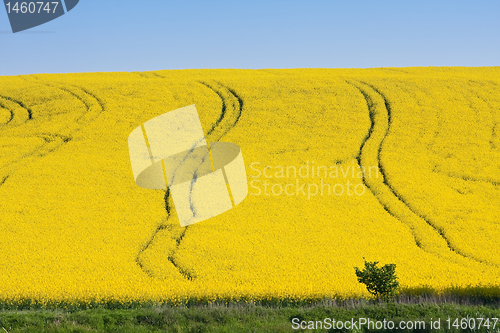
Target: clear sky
x: 125, y: 35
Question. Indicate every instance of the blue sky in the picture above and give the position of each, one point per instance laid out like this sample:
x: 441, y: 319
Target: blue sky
x: 125, y: 35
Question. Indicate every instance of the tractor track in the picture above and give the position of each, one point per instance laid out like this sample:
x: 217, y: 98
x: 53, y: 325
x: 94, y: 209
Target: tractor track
x: 48, y: 138
x: 94, y: 107
x: 231, y: 111
x: 4, y: 180
x: 26, y: 116
x: 493, y: 136
x: 11, y: 116
x: 386, y: 194
x: 54, y: 141
x: 21, y: 104
x: 471, y: 178
x: 494, y: 127
x: 150, y: 75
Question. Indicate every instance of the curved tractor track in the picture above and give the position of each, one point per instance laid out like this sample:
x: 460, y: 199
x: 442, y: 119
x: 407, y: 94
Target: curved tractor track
x: 231, y: 111
x: 11, y: 114
x: 18, y: 118
x: 51, y: 141
x: 427, y: 235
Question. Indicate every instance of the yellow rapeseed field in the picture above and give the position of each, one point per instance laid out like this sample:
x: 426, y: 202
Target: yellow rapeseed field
x: 396, y: 165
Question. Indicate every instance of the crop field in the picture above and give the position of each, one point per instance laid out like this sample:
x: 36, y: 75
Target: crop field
x: 396, y: 165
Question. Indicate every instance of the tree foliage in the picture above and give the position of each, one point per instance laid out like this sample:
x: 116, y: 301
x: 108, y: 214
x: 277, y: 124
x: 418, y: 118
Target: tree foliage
x: 381, y: 282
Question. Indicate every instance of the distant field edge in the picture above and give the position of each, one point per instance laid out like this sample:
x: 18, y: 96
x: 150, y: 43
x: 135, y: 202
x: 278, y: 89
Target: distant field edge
x: 154, y: 71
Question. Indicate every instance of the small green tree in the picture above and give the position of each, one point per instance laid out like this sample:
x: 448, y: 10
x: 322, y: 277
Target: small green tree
x: 381, y: 282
